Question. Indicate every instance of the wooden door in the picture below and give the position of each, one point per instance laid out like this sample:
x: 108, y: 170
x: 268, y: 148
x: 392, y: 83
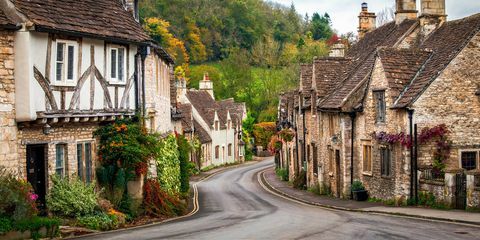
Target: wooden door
x: 36, y: 171
x: 337, y: 172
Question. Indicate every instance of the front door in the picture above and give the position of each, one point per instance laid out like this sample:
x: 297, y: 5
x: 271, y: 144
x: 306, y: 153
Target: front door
x: 461, y: 191
x: 36, y: 171
x: 337, y: 172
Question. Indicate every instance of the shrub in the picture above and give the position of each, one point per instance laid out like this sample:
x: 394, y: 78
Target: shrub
x: 34, y: 225
x: 71, y: 197
x: 5, y: 225
x: 158, y: 202
x: 168, y: 165
x: 100, y: 221
x: 357, y: 186
x: 300, y: 182
x: 186, y: 167
x: 282, y: 173
x: 17, y: 197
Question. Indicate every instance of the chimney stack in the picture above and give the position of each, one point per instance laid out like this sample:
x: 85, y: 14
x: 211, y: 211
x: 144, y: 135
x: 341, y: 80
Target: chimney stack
x: 132, y: 7
x: 207, y: 85
x: 337, y: 50
x: 405, y: 9
x: 433, y: 15
x: 367, y: 21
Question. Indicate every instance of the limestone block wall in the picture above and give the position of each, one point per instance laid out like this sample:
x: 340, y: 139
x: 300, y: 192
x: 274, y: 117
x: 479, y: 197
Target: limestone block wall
x: 451, y: 100
x: 8, y: 129
x: 69, y: 134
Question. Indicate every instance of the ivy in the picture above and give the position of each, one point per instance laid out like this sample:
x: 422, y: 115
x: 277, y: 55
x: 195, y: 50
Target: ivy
x: 168, y: 165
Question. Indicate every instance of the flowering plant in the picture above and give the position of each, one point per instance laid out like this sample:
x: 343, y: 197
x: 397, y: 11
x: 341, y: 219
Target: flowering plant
x: 388, y: 138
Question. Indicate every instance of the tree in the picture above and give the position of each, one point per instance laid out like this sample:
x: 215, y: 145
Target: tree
x: 320, y: 26
x: 385, y: 16
x: 193, y: 43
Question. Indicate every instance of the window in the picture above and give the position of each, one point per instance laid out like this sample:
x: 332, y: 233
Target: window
x: 217, y: 152
x: 216, y: 125
x: 230, y: 150
x: 380, y: 106
x: 385, y: 161
x: 367, y: 159
x: 469, y: 160
x: 315, y: 160
x: 117, y: 64
x: 65, y: 62
x: 84, y: 161
x: 60, y: 160
x: 331, y: 125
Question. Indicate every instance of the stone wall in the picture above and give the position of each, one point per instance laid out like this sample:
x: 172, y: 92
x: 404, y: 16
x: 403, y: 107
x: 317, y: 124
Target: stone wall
x: 8, y: 129
x: 451, y: 100
x: 69, y: 134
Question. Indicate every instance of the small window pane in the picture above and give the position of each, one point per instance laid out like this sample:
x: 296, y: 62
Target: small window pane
x: 113, y: 64
x: 80, y: 161
x: 60, y: 50
x: 469, y: 160
x: 88, y: 162
x: 59, y: 71
x: 385, y: 161
x: 70, y: 62
x: 60, y: 160
x: 121, y: 62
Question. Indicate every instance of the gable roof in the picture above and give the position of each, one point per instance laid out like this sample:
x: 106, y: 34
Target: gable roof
x: 236, y: 110
x: 329, y: 71
x: 363, y: 60
x: 400, y: 66
x: 446, y: 43
x: 205, y: 105
x: 186, y: 116
x: 106, y: 19
x: 6, y: 22
x: 201, y: 133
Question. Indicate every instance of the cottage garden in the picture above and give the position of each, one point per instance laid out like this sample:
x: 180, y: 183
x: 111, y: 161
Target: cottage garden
x: 127, y: 156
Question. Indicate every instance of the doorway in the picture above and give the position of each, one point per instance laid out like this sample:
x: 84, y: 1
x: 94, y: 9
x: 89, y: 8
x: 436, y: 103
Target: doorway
x: 36, y: 171
x: 337, y: 172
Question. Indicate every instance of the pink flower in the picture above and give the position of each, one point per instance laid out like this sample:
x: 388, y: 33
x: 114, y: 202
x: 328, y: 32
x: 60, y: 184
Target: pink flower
x: 33, y: 196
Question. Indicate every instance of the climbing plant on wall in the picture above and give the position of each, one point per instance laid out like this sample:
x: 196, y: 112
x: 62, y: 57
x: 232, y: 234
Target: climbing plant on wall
x: 168, y: 165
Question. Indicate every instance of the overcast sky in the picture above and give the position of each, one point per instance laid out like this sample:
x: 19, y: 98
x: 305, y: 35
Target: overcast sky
x: 344, y: 13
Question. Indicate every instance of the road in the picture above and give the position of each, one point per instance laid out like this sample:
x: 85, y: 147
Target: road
x: 233, y: 205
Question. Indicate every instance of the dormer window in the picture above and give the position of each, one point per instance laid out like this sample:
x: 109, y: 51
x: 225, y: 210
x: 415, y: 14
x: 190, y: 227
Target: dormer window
x: 216, y: 125
x: 65, y: 62
x: 117, y: 64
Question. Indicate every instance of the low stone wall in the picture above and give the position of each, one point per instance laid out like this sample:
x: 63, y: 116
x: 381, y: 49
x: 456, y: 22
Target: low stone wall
x: 435, y: 187
x: 473, y: 189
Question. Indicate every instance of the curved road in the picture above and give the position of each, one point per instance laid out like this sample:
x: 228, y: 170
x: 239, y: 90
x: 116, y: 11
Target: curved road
x: 233, y: 205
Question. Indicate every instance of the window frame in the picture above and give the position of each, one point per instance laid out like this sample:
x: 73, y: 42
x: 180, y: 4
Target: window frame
x: 382, y: 161
x: 367, y: 153
x: 65, y: 81
x: 380, y: 109
x: 477, y: 160
x: 85, y: 174
x: 217, y: 152
x: 229, y: 149
x: 217, y: 125
x: 116, y: 80
x: 64, y: 160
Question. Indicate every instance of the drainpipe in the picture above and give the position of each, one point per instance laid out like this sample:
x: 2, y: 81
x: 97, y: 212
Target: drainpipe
x: 137, y: 85
x: 410, y: 118
x: 415, y: 162
x: 143, y: 53
x: 296, y: 146
x: 352, y: 116
x: 304, y: 155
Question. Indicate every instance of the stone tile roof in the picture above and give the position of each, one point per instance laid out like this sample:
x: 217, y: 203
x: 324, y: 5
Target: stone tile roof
x: 400, y: 66
x: 446, y: 43
x: 96, y: 18
x: 329, y: 71
x: 363, y: 59
x: 5, y: 22
x: 201, y: 133
x: 306, y: 72
x: 186, y: 116
x: 236, y: 110
x: 203, y: 102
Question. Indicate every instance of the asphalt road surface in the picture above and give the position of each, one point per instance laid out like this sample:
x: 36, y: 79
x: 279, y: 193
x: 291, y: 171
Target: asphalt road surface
x: 233, y: 205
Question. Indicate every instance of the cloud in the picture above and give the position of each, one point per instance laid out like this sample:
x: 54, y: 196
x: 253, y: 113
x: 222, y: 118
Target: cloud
x: 344, y: 13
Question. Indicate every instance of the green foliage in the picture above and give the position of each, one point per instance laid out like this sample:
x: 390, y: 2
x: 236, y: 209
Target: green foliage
x: 71, y: 198
x: 5, y: 225
x: 427, y: 199
x: 159, y: 203
x: 17, y: 199
x: 102, y: 221
x: 263, y: 132
x: 168, y: 165
x: 357, y: 186
x: 300, y: 181
x: 197, y: 72
x: 320, y: 27
x: 34, y: 225
x: 282, y: 173
x: 186, y: 167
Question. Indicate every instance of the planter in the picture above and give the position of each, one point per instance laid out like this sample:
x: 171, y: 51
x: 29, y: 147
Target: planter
x: 361, y: 195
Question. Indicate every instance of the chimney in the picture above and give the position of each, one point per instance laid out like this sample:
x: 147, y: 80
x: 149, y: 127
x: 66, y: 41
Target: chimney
x: 337, y: 50
x: 181, y: 89
x: 406, y: 9
x: 367, y: 21
x: 132, y: 7
x: 433, y: 15
x: 207, y: 85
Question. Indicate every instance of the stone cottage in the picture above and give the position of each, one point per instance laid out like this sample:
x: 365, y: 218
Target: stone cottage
x: 67, y: 68
x: 217, y: 124
x: 405, y: 90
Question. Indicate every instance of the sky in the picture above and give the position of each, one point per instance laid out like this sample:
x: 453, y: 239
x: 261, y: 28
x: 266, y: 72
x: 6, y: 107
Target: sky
x: 344, y: 13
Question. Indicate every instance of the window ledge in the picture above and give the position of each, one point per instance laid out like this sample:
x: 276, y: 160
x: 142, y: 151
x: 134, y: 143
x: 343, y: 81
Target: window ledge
x: 367, y: 174
x: 115, y: 83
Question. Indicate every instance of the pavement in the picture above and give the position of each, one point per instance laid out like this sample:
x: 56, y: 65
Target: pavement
x: 281, y: 187
x: 233, y: 204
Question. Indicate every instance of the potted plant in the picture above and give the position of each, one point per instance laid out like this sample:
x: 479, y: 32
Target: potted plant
x: 358, y: 191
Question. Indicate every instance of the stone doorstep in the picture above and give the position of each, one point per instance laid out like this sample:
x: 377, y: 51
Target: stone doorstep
x: 413, y: 212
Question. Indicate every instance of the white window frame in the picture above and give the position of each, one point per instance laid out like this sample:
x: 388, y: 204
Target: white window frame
x: 116, y: 80
x: 64, y: 81
x: 468, y: 150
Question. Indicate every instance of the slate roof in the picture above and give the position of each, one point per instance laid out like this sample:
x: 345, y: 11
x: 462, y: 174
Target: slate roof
x: 400, y: 66
x: 236, y: 110
x: 106, y: 19
x: 204, y: 104
x: 201, y: 133
x: 186, y: 117
x: 446, y: 43
x: 363, y: 60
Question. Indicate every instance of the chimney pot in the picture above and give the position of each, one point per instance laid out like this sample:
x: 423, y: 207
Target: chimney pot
x: 367, y: 21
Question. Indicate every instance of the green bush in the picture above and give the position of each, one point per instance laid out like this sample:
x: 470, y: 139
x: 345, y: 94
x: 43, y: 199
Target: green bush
x: 71, y: 198
x: 34, y: 224
x: 186, y: 167
x: 17, y: 199
x: 5, y: 225
x: 168, y: 165
x: 99, y: 221
x: 357, y: 186
x: 282, y: 173
x: 300, y: 182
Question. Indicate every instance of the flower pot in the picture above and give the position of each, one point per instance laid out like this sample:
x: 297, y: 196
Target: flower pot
x: 361, y: 195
